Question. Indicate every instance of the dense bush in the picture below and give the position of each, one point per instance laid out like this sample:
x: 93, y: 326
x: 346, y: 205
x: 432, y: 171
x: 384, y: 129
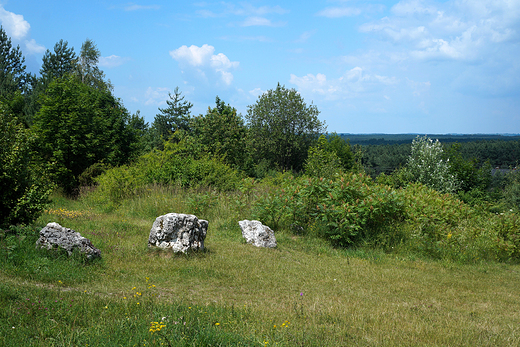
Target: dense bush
x: 346, y: 210
x: 177, y: 165
x: 350, y: 210
x: 24, y: 191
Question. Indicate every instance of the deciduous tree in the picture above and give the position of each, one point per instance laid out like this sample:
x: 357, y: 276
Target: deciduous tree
x: 221, y: 132
x: 78, y: 126
x: 282, y: 127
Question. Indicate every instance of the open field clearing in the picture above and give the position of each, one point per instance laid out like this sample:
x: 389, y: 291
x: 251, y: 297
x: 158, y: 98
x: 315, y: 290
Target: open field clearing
x: 303, y: 293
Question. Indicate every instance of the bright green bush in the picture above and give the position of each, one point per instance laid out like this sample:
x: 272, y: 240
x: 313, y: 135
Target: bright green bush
x: 442, y: 227
x: 346, y: 210
x: 322, y: 162
x: 172, y: 166
x: 24, y: 191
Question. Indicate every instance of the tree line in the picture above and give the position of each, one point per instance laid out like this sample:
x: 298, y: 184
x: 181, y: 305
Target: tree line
x: 73, y: 127
x: 65, y: 127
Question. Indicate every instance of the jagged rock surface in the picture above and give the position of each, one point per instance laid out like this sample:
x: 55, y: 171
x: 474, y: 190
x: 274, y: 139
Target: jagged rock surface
x: 257, y: 234
x: 54, y: 236
x: 179, y: 232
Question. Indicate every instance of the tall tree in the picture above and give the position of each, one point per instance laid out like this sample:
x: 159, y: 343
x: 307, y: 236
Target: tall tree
x: 58, y: 63
x: 13, y: 77
x: 222, y: 133
x: 172, y: 118
x: 55, y: 64
x: 78, y: 126
x: 87, y: 69
x: 12, y: 69
x: 282, y: 127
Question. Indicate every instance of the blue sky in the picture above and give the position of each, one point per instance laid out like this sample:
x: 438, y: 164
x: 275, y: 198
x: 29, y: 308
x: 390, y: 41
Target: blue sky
x: 408, y: 66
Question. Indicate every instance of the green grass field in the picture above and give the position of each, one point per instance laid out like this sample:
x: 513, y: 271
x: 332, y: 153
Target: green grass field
x: 303, y: 293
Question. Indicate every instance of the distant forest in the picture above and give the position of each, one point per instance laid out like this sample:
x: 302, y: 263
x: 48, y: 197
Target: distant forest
x: 387, y: 152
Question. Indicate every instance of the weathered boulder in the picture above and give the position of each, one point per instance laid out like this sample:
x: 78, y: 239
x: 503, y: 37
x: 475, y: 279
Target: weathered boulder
x: 180, y: 232
x: 55, y: 236
x: 257, y: 234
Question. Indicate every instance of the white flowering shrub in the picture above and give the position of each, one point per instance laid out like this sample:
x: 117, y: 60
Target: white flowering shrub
x: 427, y: 165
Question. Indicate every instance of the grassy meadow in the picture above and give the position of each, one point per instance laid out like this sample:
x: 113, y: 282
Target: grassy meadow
x: 303, y: 293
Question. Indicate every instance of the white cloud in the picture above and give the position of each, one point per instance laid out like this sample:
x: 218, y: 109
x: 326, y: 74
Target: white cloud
x: 193, y: 55
x: 256, y: 92
x: 205, y: 62
x: 454, y: 30
x: 337, y: 12
x: 247, y: 9
x: 32, y: 47
x: 353, y: 82
x: 14, y: 24
x: 112, y: 61
x: 305, y: 36
x: 413, y: 7
x: 135, y: 7
x: 156, y: 96
x: 260, y: 21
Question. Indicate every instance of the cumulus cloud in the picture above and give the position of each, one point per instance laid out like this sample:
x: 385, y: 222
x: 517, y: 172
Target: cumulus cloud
x: 337, y: 12
x: 14, y: 24
x: 205, y: 62
x: 455, y: 30
x: 32, y: 47
x: 352, y: 83
x: 17, y: 28
x: 112, y: 61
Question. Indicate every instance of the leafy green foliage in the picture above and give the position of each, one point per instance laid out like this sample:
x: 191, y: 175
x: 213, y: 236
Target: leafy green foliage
x: 24, y: 190
x: 511, y: 190
x: 346, y: 210
x: 15, y: 83
x: 78, y: 126
x: 59, y: 63
x: 282, y: 128
x: 321, y: 162
x: 222, y: 133
x: 87, y: 69
x: 330, y: 155
x: 13, y: 77
x: 176, y: 165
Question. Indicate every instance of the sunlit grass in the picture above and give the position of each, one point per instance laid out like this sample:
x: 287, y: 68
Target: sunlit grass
x: 304, y: 292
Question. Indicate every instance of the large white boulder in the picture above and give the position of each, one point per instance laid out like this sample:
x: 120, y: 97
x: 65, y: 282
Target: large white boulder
x: 178, y: 232
x: 257, y: 234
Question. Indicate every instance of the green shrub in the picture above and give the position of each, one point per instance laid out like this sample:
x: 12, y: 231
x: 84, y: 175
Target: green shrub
x: 24, y: 191
x: 440, y: 226
x: 511, y: 192
x: 347, y: 210
x: 120, y: 183
x: 167, y: 167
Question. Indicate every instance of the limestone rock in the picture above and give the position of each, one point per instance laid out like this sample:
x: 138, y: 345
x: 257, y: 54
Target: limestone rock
x: 55, y: 236
x: 257, y: 234
x: 180, y: 232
